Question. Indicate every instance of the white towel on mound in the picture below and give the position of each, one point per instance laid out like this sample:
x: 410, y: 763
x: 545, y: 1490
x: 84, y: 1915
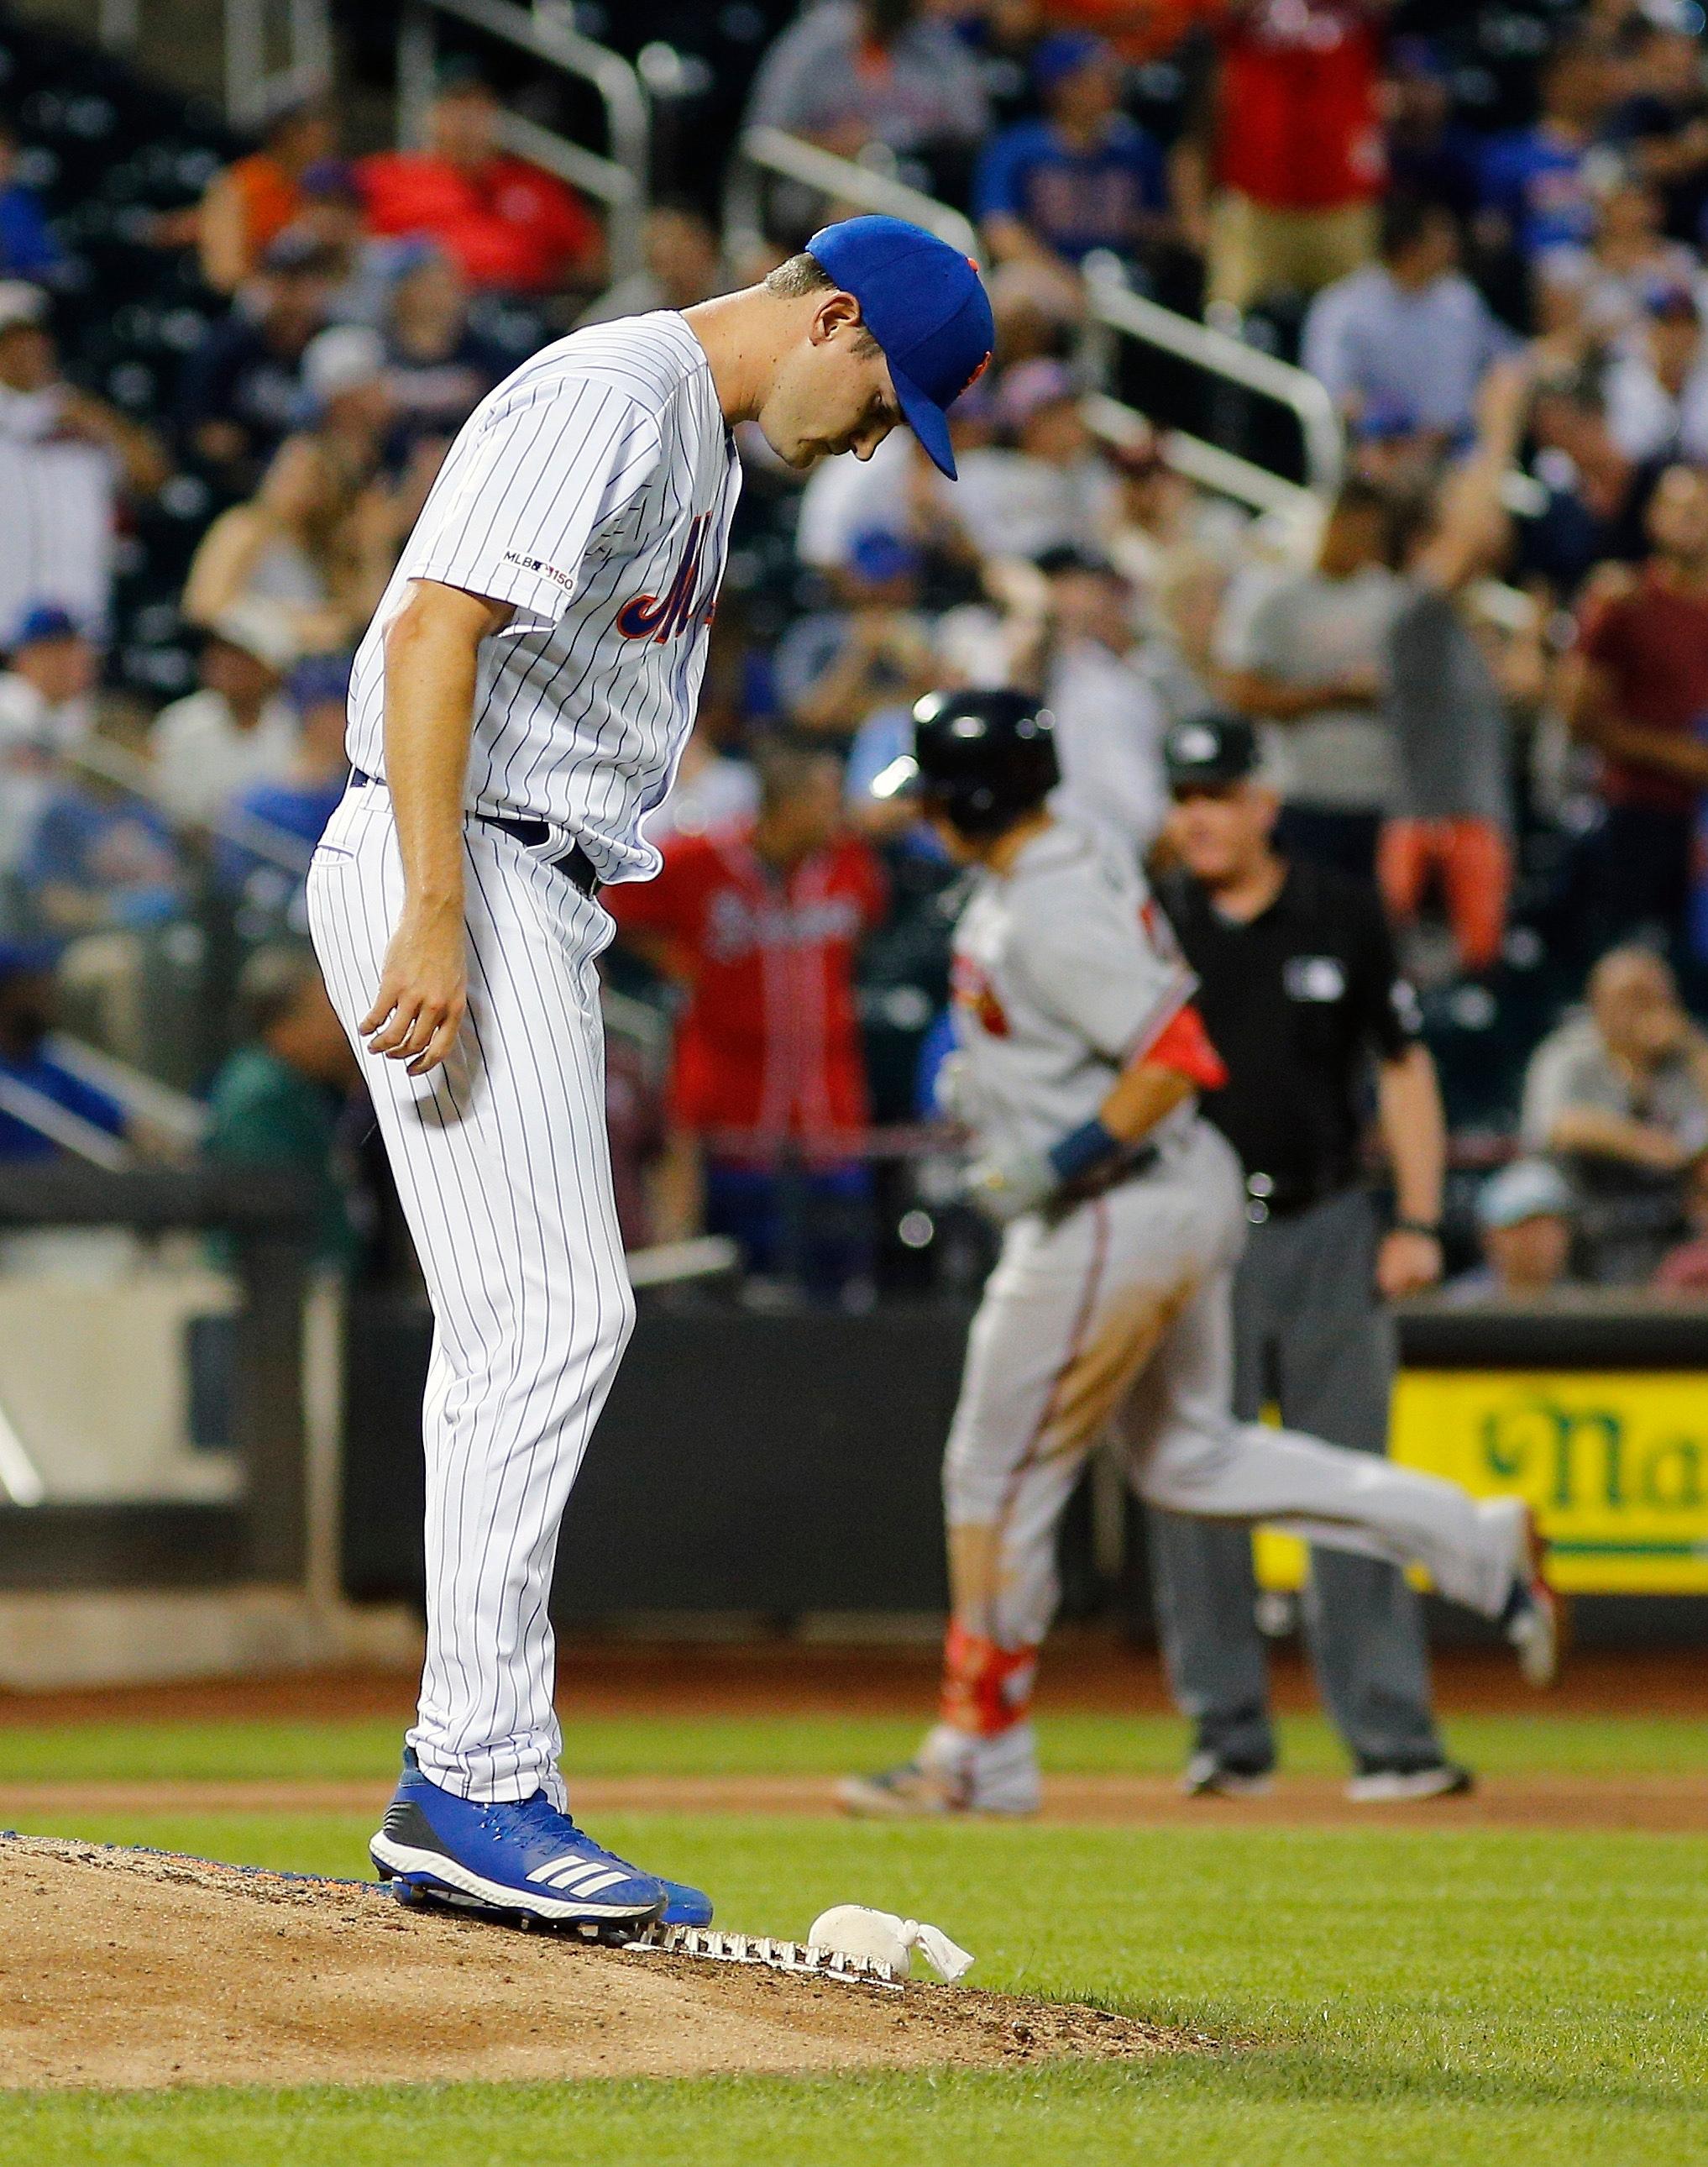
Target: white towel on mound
x: 854, y: 1930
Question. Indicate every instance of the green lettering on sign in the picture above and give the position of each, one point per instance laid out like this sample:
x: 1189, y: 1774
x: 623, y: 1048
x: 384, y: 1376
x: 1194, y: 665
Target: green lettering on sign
x: 1672, y: 1475
x: 1514, y: 1438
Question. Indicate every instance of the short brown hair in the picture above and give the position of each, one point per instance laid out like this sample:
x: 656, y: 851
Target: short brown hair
x: 803, y: 274
x: 797, y: 275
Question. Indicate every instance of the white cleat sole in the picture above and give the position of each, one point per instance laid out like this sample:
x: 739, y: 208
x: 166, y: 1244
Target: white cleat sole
x: 1396, y: 1787
x: 404, y: 1860
x: 1229, y: 1787
x: 871, y: 1801
x: 866, y: 1799
x: 1204, y: 1777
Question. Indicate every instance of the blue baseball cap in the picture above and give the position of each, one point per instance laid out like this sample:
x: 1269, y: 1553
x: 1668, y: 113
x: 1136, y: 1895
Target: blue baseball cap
x: 1066, y: 53
x: 46, y: 620
x: 876, y: 554
x: 1383, y: 420
x: 925, y: 304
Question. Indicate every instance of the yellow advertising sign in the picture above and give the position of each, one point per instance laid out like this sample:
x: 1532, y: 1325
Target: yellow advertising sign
x: 1615, y: 1462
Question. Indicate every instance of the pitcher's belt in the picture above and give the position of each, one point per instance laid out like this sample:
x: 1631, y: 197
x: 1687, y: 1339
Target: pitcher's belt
x: 575, y: 861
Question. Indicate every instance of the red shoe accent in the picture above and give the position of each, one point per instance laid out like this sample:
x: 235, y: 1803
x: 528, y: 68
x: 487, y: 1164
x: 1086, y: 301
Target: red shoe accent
x: 986, y: 1690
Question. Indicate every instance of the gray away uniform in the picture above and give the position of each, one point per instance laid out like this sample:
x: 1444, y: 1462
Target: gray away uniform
x: 1114, y: 1314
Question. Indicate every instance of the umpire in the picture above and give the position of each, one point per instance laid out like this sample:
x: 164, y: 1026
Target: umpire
x: 1301, y: 993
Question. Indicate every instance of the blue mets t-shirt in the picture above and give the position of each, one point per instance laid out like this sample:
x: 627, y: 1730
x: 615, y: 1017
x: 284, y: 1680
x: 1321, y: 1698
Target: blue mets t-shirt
x: 1537, y: 183
x: 1075, y: 200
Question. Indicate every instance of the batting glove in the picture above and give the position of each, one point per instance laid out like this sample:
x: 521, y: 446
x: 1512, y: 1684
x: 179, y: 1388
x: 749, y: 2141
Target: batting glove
x: 1007, y: 1184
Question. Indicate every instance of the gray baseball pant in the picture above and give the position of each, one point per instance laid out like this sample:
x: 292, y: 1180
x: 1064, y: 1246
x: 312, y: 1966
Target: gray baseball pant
x: 1118, y: 1315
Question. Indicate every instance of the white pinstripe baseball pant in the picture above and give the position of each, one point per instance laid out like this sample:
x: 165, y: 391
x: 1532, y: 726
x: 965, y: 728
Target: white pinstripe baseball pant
x: 503, y: 1169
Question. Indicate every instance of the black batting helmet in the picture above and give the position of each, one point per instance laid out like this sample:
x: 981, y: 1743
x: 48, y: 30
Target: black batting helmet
x: 984, y: 759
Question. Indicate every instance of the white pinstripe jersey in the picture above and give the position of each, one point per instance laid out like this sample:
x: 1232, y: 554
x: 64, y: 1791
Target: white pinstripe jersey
x: 594, y: 489
x: 1065, y: 971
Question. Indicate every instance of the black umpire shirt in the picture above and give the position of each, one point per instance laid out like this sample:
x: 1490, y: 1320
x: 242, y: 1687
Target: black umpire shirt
x: 1296, y: 1003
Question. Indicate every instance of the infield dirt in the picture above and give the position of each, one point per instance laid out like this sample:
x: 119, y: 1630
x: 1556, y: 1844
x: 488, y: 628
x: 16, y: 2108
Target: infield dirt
x: 138, y: 1969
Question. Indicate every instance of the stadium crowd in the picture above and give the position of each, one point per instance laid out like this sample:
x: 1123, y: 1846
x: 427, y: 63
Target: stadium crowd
x: 1479, y: 674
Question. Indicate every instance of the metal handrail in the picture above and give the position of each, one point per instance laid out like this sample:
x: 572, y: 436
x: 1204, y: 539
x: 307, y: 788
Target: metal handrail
x: 59, y: 1126
x: 774, y: 150
x: 245, y: 74
x: 175, y: 1113
x: 1112, y: 302
x: 1297, y: 508
x: 249, y: 80
x: 1205, y: 464
x: 285, y: 853
x: 546, y: 31
x: 1110, y: 298
x: 582, y: 168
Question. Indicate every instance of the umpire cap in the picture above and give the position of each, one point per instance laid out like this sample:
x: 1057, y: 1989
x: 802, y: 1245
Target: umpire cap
x: 981, y: 759
x: 1209, y: 752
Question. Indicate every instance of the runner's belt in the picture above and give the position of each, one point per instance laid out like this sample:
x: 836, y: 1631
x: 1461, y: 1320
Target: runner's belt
x: 1130, y: 1167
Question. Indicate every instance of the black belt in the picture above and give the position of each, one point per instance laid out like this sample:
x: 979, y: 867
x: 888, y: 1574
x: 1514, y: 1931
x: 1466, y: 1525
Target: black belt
x: 1102, y: 1178
x: 575, y: 861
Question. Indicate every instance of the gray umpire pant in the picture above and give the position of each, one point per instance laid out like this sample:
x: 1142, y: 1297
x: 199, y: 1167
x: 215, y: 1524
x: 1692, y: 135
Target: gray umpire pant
x: 1310, y: 1334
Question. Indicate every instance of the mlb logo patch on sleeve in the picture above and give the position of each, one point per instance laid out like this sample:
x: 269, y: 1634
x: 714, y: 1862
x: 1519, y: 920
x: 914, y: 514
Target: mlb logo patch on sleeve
x: 535, y: 564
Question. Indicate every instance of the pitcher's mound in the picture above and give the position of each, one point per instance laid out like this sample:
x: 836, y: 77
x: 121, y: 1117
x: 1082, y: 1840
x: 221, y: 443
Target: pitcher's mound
x: 122, y: 1967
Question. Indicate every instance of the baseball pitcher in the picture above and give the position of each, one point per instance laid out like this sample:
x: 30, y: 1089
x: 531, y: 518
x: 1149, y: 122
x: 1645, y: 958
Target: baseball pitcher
x: 1079, y: 1057
x: 518, y: 706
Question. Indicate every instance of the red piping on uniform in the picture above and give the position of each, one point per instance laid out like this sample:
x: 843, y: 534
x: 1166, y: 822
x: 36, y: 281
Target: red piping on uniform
x: 972, y: 1661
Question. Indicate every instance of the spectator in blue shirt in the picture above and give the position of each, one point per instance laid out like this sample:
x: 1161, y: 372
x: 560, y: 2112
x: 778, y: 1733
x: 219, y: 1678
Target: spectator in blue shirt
x: 1535, y: 191
x: 27, y: 1010
x: 238, y: 400
x: 101, y: 859
x: 834, y: 666
x: 296, y: 806
x: 28, y: 249
x: 1409, y: 335
x: 1083, y: 177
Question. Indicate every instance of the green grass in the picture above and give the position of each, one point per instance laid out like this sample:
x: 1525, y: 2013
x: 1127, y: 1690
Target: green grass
x: 801, y: 1745
x: 1412, y: 1998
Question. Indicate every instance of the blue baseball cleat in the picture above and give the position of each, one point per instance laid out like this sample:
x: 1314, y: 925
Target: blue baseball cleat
x: 684, y: 1906
x: 523, y: 1857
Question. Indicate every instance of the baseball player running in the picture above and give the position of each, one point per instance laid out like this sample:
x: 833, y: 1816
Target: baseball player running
x: 519, y: 704
x: 1080, y: 1053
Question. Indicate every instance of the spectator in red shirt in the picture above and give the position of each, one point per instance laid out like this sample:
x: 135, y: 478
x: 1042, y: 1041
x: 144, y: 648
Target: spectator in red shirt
x: 1639, y: 694
x: 1295, y: 161
x: 1140, y: 31
x: 509, y: 226
x: 760, y: 923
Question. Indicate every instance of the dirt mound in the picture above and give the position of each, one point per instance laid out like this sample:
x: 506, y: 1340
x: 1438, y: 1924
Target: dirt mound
x: 136, y: 1969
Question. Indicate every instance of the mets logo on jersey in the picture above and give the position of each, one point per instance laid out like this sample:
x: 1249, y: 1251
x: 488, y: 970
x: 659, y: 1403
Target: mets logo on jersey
x: 667, y: 616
